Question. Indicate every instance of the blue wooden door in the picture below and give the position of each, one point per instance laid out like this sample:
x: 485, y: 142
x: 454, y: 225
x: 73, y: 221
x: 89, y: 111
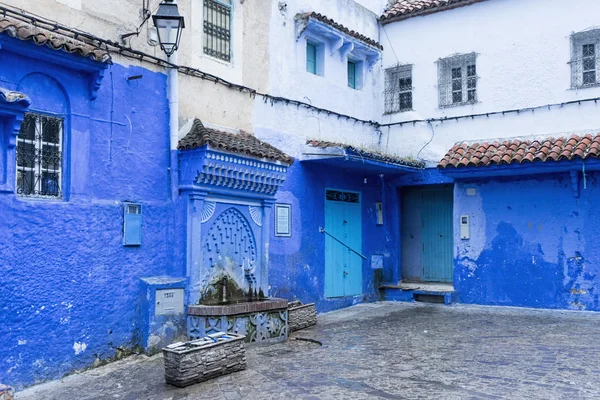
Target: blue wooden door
x: 343, y: 221
x: 437, y: 235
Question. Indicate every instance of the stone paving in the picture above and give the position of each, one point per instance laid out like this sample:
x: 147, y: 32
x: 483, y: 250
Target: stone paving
x: 386, y: 351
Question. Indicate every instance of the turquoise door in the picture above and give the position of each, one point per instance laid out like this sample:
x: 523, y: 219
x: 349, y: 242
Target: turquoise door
x: 343, y: 221
x: 437, y: 234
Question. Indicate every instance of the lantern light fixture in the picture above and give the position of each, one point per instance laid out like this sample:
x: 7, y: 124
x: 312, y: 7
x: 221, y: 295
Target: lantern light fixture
x: 169, y: 25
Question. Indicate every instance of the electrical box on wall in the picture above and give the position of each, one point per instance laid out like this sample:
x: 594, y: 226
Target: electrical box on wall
x: 132, y: 224
x: 464, y: 227
x: 379, y: 210
x: 169, y: 301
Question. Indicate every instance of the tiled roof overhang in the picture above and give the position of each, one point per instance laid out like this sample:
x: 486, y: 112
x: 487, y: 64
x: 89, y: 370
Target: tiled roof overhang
x: 328, y: 21
x: 243, y: 144
x: 345, y: 155
x: 404, y: 9
x: 524, y: 157
x: 522, y: 151
x: 43, y: 37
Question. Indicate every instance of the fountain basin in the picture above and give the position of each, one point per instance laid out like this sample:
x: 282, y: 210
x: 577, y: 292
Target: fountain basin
x: 259, y: 320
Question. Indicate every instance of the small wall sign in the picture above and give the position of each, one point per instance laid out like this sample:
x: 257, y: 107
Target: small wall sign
x: 283, y: 220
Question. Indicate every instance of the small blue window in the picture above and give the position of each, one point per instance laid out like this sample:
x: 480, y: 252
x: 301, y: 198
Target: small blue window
x: 352, y: 74
x: 311, y: 58
x: 132, y: 224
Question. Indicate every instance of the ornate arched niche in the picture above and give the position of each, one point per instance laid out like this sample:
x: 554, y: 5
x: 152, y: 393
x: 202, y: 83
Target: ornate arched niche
x: 229, y: 182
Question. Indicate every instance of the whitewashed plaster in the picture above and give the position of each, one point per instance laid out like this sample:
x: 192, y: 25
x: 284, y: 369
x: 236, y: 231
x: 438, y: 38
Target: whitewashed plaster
x: 290, y: 126
x: 523, y: 49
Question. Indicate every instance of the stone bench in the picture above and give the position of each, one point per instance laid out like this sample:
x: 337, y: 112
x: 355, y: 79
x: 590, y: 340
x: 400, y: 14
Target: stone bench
x: 301, y: 316
x: 203, y: 359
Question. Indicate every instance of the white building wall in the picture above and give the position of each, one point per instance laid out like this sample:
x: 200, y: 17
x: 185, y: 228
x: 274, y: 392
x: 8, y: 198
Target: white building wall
x: 289, y: 78
x: 523, y: 49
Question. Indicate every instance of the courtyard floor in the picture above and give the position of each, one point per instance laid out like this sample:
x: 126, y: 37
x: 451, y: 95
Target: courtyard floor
x: 386, y: 351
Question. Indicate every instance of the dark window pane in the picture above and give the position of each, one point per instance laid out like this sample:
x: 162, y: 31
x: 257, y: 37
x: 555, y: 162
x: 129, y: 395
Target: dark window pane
x: 27, y: 131
x: 589, y: 63
x: 217, y: 30
x: 589, y: 78
x: 351, y: 74
x: 26, y: 155
x: 25, y: 182
x: 456, y: 84
x: 589, y: 50
x: 51, y: 128
x: 50, y: 185
x: 471, y: 70
x: 456, y: 97
x: 471, y: 83
x: 405, y: 101
x: 51, y: 157
x: 471, y: 95
x: 456, y: 73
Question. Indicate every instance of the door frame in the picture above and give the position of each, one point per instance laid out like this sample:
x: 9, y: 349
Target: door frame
x: 325, y: 264
x: 402, y: 268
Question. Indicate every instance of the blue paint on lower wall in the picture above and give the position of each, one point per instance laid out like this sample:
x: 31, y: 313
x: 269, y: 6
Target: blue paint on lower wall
x: 69, y: 287
x: 533, y: 244
x: 296, y: 265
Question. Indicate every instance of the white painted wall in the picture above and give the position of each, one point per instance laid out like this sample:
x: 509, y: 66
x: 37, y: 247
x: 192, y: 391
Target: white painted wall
x: 289, y: 78
x: 523, y: 49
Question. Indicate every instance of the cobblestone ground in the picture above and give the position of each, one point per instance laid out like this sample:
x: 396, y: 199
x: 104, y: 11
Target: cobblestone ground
x: 386, y: 351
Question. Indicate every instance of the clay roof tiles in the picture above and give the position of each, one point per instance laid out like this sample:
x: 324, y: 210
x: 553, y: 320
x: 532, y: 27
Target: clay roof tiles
x: 403, y: 9
x: 324, y: 19
x: 377, y: 156
x: 521, y: 151
x: 44, y: 37
x: 244, y: 144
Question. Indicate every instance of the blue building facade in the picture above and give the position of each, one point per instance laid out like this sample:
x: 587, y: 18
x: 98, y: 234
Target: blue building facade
x: 91, y: 140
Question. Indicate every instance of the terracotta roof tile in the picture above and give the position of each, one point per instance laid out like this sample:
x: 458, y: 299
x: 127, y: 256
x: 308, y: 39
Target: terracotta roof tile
x: 377, y: 156
x: 521, y: 151
x: 403, y: 9
x: 43, y: 37
x: 324, y: 19
x: 240, y: 143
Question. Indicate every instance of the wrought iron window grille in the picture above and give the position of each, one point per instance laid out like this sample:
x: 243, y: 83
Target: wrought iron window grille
x: 457, y: 80
x: 345, y: 197
x: 585, y: 58
x: 398, y: 89
x: 217, y: 29
x: 39, y: 157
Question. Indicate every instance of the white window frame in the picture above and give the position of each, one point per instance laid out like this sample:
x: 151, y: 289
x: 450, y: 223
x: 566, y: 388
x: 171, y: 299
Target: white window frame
x: 394, y: 91
x: 578, y: 59
x: 37, y: 168
x: 228, y: 4
x: 448, y: 77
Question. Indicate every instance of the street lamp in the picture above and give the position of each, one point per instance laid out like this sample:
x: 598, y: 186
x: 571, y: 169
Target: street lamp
x: 169, y: 25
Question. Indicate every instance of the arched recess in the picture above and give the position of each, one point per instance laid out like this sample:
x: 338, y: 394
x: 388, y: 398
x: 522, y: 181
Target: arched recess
x: 50, y: 98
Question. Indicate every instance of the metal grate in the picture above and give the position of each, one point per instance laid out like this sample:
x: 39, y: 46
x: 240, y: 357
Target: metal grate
x: 39, y: 156
x: 346, y: 197
x: 457, y: 80
x: 584, y: 58
x: 217, y: 29
x: 398, y: 89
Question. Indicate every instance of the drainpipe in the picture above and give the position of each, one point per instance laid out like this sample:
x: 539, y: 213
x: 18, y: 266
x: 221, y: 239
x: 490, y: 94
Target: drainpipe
x: 173, y: 86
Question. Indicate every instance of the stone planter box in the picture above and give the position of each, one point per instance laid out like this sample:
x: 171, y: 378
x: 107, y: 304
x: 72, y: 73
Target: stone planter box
x: 301, y: 316
x: 203, y: 359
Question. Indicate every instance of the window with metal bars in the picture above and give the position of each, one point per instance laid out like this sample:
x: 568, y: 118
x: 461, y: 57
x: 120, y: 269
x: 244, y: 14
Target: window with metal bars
x: 398, y: 89
x: 39, y: 156
x: 584, y: 58
x: 457, y: 80
x: 217, y: 29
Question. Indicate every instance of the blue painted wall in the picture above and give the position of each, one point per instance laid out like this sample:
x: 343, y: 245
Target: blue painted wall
x: 533, y: 244
x: 296, y: 264
x: 69, y: 287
